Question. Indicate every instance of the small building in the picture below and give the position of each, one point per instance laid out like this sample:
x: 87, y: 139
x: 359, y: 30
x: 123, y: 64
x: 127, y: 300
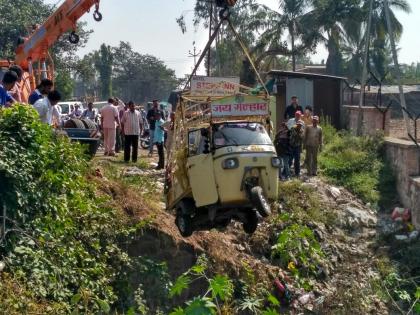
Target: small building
x: 323, y: 92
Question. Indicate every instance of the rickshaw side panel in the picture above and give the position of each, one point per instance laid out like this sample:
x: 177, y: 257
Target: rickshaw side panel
x: 202, y: 179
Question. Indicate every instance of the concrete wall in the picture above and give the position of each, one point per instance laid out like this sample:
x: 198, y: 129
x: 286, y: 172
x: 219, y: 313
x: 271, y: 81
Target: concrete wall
x: 372, y: 119
x: 404, y: 157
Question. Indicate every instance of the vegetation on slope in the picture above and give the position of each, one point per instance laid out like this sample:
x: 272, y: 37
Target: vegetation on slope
x: 358, y: 164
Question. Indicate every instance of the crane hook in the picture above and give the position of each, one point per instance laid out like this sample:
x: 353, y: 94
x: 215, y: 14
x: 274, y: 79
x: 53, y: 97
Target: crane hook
x: 97, y: 16
x: 74, y: 38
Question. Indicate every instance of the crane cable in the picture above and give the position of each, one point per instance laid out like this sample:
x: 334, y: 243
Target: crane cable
x: 224, y: 16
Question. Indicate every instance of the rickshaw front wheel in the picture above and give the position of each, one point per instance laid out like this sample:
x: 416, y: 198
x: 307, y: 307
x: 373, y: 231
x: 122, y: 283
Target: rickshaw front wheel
x: 260, y: 202
x: 251, y: 222
x: 184, y: 224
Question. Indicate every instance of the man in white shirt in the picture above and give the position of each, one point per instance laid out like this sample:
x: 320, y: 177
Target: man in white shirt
x: 77, y: 112
x: 293, y: 121
x: 131, y: 125
x: 109, y: 122
x: 47, y: 109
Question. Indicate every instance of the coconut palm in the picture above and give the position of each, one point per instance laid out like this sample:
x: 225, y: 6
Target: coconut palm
x: 379, y: 32
x: 291, y: 17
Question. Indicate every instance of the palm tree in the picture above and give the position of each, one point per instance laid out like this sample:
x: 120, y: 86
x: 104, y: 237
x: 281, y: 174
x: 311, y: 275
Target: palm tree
x: 291, y: 17
x: 379, y: 54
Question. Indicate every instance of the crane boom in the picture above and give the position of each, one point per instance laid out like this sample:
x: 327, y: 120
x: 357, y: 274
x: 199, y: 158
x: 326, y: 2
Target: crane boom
x: 35, y: 48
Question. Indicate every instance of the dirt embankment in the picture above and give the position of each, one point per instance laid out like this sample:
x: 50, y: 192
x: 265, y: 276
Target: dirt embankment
x: 348, y: 238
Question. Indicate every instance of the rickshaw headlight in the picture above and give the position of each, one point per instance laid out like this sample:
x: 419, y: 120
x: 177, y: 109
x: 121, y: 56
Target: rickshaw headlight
x: 275, y: 162
x: 230, y: 164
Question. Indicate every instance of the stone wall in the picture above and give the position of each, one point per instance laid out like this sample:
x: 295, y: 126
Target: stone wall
x: 404, y: 157
x: 372, y: 120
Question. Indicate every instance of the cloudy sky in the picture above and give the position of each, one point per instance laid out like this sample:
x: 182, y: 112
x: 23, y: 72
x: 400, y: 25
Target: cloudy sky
x: 151, y: 28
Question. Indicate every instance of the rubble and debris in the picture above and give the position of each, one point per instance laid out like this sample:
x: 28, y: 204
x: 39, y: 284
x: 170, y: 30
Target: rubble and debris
x: 334, y: 192
x: 401, y: 214
x: 359, y: 218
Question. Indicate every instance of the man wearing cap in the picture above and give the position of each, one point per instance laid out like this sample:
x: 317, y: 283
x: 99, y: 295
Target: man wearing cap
x: 293, y: 121
x: 297, y: 134
x: 313, y: 144
x: 151, y: 118
x: 292, y: 108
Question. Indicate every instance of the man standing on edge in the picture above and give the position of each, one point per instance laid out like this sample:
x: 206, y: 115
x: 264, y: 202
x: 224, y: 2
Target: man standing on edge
x: 131, y: 122
x: 47, y: 109
x: 42, y: 90
x: 9, y: 80
x: 152, y: 117
x: 296, y: 141
x: 109, y: 123
x: 16, y: 92
x: 282, y: 143
x: 292, y: 108
x: 293, y: 121
x: 159, y: 139
x: 313, y: 144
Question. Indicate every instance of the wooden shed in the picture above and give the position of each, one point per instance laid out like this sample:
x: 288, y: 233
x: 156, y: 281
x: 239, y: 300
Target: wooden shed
x: 323, y: 92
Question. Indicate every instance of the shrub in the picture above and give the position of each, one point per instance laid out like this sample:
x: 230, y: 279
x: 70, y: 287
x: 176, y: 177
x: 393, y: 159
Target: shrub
x: 358, y: 164
x: 61, y: 241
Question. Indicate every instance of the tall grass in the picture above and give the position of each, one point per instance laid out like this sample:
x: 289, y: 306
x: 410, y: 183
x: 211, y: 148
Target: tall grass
x: 358, y: 164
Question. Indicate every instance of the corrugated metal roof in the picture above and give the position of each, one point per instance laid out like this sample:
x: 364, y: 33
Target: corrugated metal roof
x: 292, y: 74
x: 391, y: 89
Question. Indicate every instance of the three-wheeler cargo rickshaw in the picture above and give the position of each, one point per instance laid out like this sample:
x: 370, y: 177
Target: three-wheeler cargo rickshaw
x: 223, y: 165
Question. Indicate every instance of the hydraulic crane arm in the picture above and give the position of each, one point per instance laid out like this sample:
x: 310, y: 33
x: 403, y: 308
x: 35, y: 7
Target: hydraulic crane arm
x: 35, y: 48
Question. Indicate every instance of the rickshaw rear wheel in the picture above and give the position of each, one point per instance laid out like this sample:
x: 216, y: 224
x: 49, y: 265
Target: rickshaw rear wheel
x: 184, y: 224
x: 251, y: 222
x: 260, y: 202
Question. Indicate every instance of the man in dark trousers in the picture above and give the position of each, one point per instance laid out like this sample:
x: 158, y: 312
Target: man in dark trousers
x: 151, y: 118
x: 131, y: 122
x: 297, y: 134
x: 292, y: 108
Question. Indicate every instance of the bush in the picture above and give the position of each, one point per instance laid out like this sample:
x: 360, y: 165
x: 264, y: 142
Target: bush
x: 61, y: 241
x: 358, y: 164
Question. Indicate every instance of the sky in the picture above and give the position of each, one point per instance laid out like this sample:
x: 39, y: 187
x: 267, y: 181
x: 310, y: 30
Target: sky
x: 151, y: 28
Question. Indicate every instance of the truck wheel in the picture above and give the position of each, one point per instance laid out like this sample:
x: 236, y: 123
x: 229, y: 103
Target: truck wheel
x: 74, y: 123
x: 251, y: 223
x: 89, y: 124
x: 260, y: 202
x: 184, y: 224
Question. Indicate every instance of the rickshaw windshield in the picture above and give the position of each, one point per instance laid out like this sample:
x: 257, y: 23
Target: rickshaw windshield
x: 239, y: 134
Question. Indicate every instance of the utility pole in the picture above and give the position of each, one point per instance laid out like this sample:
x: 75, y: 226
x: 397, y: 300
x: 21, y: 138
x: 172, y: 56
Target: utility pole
x: 359, y: 130
x: 194, y: 54
x: 396, y: 71
x: 210, y: 27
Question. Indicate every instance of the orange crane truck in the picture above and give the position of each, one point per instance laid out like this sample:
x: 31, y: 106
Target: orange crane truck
x: 32, y: 52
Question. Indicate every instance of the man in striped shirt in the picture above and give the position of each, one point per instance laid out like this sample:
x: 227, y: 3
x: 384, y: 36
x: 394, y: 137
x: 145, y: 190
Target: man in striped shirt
x: 131, y: 125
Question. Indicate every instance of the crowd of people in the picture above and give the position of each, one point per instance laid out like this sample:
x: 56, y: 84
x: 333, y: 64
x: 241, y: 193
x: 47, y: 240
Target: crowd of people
x: 300, y: 131
x: 122, y: 123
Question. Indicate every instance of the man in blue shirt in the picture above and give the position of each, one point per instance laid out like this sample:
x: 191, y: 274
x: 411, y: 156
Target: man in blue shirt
x: 43, y: 89
x: 159, y: 139
x: 9, y: 80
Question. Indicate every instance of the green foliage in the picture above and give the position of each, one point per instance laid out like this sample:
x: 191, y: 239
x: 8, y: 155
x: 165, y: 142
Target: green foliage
x: 297, y: 247
x: 64, y: 83
x: 63, y: 240
x: 302, y: 204
x: 358, y: 164
x: 219, y: 293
